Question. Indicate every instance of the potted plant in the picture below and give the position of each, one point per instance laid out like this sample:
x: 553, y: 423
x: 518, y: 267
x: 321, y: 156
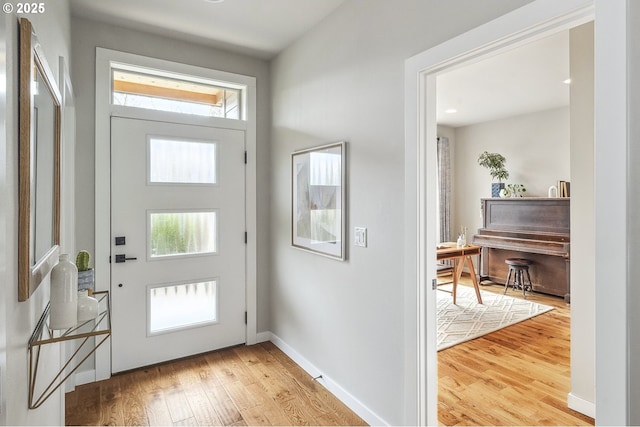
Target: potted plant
x: 86, y: 278
x: 495, y: 163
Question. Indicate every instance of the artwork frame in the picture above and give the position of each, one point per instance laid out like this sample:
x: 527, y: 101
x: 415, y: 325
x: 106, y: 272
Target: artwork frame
x: 318, y: 200
x: 40, y: 104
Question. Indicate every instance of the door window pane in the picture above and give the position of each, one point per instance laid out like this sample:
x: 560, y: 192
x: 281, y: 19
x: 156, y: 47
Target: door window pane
x: 181, y: 306
x: 186, y: 162
x: 182, y: 233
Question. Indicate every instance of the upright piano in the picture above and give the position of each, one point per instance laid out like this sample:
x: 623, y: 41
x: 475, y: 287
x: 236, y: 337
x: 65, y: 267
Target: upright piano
x: 535, y: 228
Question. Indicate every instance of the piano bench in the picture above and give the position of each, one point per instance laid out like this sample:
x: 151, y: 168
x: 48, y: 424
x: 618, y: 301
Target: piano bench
x: 518, y: 267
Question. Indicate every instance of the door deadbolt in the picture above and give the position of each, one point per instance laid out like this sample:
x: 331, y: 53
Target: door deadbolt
x: 123, y: 258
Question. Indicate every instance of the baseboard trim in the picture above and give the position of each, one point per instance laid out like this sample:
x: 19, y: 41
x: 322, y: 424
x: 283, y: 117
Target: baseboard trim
x: 336, y: 389
x: 263, y: 337
x: 85, y: 377
x: 581, y: 405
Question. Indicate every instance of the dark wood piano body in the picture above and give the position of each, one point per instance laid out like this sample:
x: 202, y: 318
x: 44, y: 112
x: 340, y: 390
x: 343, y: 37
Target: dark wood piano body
x: 534, y: 228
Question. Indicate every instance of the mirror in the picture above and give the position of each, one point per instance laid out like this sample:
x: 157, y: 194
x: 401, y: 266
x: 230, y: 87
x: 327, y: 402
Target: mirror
x: 39, y: 165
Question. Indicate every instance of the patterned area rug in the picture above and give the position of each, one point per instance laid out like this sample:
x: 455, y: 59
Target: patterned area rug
x: 468, y: 320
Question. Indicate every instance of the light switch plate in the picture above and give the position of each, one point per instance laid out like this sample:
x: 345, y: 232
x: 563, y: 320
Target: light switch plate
x: 360, y: 236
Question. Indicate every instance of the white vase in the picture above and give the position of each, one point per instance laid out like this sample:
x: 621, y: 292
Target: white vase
x: 87, y: 306
x: 63, y: 311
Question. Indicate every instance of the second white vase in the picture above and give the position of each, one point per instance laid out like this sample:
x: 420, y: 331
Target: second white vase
x: 87, y: 306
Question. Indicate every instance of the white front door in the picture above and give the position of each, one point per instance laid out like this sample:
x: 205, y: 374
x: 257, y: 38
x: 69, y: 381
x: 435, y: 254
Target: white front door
x: 177, y: 240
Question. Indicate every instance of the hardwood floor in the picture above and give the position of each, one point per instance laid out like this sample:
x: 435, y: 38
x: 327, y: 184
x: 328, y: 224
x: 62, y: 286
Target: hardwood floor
x: 519, y: 375
x: 255, y: 385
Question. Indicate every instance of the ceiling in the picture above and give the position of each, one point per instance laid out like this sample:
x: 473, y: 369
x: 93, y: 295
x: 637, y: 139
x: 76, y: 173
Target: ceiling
x: 524, y: 80
x: 259, y: 28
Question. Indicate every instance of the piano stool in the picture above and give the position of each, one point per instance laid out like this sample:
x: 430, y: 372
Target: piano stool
x: 518, y: 267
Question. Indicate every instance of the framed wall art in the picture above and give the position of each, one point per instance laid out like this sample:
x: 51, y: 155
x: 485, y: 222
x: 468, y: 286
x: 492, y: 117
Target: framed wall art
x: 39, y: 165
x: 318, y: 200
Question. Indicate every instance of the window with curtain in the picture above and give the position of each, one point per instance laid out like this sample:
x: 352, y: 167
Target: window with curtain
x: 444, y: 190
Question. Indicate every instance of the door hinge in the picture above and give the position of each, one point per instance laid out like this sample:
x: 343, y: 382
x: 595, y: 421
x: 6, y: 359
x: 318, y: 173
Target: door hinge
x: 246, y: 238
x: 245, y: 317
x: 245, y: 158
x: 109, y: 259
x: 434, y: 284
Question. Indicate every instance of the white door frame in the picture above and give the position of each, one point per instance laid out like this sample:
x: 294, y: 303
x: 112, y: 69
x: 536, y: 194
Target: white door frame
x: 535, y: 20
x: 104, y: 111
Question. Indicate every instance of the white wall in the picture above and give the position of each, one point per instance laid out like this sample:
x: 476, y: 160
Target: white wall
x: 7, y: 213
x: 344, y: 81
x: 19, y: 318
x: 616, y: 211
x: 583, y: 259
x: 87, y: 35
x: 535, y: 145
x: 633, y: 163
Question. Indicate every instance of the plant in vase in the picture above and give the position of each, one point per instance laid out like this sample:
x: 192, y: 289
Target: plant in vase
x: 86, y: 277
x: 495, y: 163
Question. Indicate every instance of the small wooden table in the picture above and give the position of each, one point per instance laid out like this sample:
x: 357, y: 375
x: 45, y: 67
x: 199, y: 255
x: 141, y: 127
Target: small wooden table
x: 450, y: 251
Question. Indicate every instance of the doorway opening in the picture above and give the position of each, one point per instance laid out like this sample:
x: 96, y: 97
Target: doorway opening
x: 531, y: 22
x: 517, y: 104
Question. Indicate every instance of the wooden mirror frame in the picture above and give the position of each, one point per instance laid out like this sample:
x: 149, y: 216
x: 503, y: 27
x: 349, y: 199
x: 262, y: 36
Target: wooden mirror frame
x: 32, y: 271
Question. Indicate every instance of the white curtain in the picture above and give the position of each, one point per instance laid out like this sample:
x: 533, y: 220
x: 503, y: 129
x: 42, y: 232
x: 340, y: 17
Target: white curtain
x: 444, y: 190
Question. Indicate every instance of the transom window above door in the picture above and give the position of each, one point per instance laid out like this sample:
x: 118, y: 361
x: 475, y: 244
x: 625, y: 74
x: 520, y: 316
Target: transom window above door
x: 164, y: 91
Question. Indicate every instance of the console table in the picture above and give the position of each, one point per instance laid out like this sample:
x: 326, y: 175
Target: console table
x: 98, y: 328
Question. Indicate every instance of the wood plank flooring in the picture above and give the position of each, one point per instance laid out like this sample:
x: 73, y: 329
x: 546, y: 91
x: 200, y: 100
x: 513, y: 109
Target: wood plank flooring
x: 519, y: 375
x: 244, y: 385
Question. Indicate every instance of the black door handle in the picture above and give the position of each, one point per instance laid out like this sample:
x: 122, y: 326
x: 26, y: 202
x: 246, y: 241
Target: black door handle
x: 123, y: 258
